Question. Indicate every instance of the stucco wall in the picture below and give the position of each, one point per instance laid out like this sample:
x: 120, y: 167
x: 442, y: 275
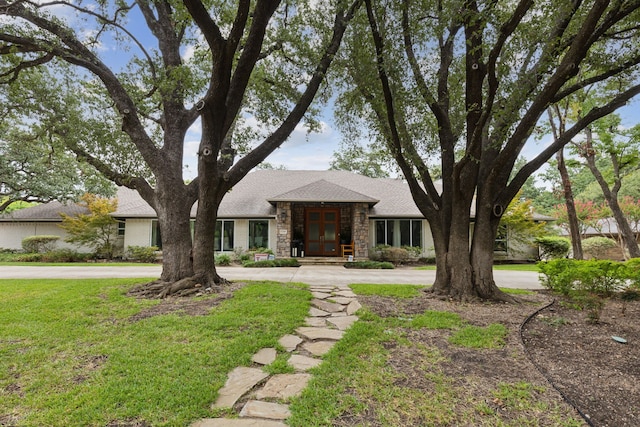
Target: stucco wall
x: 14, y: 232
x: 137, y: 232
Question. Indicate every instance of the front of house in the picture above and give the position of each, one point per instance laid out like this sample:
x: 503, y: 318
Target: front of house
x: 293, y: 213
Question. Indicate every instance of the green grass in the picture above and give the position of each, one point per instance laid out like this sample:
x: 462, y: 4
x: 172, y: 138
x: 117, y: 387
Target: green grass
x: 477, y: 337
x: 71, y: 356
x: 509, y: 267
x: 76, y: 264
x: 397, y: 291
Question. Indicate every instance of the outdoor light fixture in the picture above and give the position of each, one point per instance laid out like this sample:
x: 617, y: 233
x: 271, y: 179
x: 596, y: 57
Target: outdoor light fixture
x: 362, y: 216
x: 283, y: 215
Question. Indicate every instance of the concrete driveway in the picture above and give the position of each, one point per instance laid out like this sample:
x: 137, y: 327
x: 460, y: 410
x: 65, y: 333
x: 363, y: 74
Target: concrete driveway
x: 310, y: 274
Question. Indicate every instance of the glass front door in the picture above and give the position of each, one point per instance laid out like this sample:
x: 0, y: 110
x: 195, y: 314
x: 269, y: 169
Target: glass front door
x: 322, y: 225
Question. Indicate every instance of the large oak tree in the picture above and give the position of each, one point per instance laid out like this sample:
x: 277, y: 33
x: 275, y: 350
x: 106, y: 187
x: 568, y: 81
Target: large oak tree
x: 465, y: 83
x: 221, y: 64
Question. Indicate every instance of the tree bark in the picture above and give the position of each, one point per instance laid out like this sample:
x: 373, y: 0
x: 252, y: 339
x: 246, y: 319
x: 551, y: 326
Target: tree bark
x: 572, y: 216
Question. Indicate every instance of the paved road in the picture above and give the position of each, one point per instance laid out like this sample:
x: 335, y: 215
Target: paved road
x: 310, y: 274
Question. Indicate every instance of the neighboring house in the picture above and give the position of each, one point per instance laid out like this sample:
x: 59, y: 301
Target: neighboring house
x: 608, y: 227
x: 294, y: 213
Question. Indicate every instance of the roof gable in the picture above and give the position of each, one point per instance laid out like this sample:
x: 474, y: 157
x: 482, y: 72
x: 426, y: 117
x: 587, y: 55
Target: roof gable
x: 323, y: 191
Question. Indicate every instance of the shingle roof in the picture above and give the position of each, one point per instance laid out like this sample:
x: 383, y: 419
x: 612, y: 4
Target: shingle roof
x: 253, y: 196
x: 323, y: 191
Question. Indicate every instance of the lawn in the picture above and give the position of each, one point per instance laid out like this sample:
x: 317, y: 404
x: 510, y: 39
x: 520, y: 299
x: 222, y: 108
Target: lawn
x: 82, y: 353
x: 509, y: 267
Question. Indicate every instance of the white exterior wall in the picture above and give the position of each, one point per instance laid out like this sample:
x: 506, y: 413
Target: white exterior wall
x: 137, y: 232
x: 241, y: 233
x: 428, y: 248
x: 14, y: 232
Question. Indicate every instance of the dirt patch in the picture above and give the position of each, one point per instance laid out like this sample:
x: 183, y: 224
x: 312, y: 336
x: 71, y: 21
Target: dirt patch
x: 597, y: 374
x: 194, y: 305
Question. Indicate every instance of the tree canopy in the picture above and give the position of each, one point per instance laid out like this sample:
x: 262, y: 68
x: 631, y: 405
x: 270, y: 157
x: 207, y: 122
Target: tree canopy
x: 465, y: 84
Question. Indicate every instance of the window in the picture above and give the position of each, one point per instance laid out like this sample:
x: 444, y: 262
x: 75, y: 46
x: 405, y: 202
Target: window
x: 402, y: 232
x: 258, y: 234
x: 156, y: 238
x: 224, y: 236
x: 121, y: 226
x: 500, y: 244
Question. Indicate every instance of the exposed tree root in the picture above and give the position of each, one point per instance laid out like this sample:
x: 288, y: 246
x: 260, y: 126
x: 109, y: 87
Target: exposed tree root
x: 471, y: 298
x: 186, y: 287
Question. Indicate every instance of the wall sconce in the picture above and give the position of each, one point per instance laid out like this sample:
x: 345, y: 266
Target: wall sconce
x: 362, y: 216
x: 283, y: 216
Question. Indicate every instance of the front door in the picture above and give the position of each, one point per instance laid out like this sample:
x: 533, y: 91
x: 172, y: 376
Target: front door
x: 322, y: 225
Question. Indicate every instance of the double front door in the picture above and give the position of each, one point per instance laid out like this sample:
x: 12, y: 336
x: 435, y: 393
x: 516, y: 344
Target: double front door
x: 322, y: 231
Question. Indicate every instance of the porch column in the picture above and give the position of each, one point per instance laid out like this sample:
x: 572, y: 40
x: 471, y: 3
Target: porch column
x: 283, y: 229
x: 361, y: 230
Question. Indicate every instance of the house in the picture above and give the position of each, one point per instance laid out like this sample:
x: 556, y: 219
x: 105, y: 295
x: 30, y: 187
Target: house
x: 294, y: 213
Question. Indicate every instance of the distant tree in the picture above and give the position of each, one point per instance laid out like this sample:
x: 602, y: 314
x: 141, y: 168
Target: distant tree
x: 357, y: 158
x: 97, y: 229
x: 519, y: 220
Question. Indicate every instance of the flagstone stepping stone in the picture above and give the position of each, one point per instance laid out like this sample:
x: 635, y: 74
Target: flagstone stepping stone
x: 340, y: 314
x: 312, y: 333
x: 344, y: 322
x: 348, y: 294
x: 353, y: 307
x: 320, y: 295
x: 290, y: 342
x: 318, y: 322
x: 327, y: 306
x: 342, y: 300
x: 283, y: 386
x: 237, y: 422
x: 303, y: 363
x: 265, y: 356
x: 318, y: 348
x: 240, y: 381
x: 272, y: 411
x: 316, y: 312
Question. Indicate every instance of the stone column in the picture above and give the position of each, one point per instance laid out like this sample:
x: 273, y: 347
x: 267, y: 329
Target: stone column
x: 361, y: 230
x: 283, y: 229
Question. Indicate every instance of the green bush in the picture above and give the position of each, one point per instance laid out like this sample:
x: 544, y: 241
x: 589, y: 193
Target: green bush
x: 597, y: 247
x: 600, y: 277
x: 395, y: 255
x: 142, y: 253
x: 633, y: 272
x: 553, y: 246
x: 65, y: 255
x: 28, y: 258
x: 223, y: 259
x: 39, y: 244
x: 379, y: 265
x: 556, y: 275
x: 282, y: 262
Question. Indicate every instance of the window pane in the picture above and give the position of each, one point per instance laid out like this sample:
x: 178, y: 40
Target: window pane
x: 390, y: 232
x: 258, y: 234
x: 156, y: 239
x: 416, y: 233
x: 380, y: 234
x: 228, y: 235
x: 217, y: 239
x: 405, y: 232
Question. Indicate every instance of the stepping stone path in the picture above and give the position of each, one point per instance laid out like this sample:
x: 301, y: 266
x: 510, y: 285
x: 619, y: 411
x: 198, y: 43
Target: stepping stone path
x: 258, y: 398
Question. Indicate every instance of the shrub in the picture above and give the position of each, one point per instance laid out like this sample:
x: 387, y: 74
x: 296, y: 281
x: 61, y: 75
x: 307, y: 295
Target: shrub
x: 394, y: 254
x: 602, y: 278
x: 380, y: 265
x: 142, y: 253
x: 223, y: 259
x: 553, y: 246
x: 633, y: 272
x: 28, y: 258
x: 282, y: 262
x: 557, y: 275
x: 65, y: 255
x: 597, y: 247
x: 39, y: 244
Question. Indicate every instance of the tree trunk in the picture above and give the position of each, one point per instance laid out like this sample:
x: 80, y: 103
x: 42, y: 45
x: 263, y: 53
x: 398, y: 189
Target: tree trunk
x: 611, y: 196
x: 572, y: 216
